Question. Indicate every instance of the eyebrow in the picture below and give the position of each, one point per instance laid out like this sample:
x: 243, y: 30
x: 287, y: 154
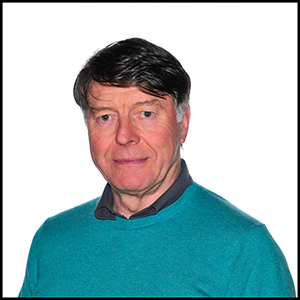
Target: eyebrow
x: 100, y: 108
x: 150, y: 102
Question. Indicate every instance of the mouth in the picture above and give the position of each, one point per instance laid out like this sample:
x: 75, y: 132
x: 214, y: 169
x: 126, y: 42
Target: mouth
x: 130, y: 161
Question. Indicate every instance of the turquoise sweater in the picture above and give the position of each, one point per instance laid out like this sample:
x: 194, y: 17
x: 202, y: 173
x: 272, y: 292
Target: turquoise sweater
x: 199, y: 246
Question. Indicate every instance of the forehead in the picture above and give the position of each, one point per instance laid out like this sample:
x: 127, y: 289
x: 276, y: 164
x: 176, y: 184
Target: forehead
x: 98, y: 90
x: 99, y: 94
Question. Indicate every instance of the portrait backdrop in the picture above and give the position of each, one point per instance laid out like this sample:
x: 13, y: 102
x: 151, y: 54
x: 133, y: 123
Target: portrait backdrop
x: 242, y: 143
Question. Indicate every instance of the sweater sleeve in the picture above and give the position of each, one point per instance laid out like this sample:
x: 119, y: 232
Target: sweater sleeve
x: 260, y: 268
x: 30, y: 280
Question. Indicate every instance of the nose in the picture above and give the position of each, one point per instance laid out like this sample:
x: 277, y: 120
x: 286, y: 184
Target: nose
x: 126, y: 133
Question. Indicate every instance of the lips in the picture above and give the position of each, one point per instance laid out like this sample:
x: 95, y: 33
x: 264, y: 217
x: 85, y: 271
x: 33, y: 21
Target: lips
x: 130, y: 161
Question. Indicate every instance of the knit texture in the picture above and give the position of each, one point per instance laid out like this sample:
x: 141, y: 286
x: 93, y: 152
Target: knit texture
x: 201, y: 245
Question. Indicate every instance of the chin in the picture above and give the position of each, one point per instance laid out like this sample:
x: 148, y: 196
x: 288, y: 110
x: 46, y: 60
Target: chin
x: 132, y: 186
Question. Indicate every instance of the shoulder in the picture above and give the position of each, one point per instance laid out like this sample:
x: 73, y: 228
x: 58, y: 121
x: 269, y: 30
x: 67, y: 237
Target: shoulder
x: 218, y: 214
x: 71, y: 220
x: 229, y: 232
x: 79, y: 213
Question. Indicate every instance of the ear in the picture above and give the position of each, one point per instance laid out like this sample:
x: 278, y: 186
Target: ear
x: 184, y: 125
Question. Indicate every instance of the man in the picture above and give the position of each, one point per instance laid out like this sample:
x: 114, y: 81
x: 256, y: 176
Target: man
x: 154, y: 231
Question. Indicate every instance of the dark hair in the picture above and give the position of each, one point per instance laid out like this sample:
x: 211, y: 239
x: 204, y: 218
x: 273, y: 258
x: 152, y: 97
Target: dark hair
x: 135, y: 62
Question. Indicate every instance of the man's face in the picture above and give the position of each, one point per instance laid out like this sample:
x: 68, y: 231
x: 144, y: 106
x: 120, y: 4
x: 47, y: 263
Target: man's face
x: 134, y: 137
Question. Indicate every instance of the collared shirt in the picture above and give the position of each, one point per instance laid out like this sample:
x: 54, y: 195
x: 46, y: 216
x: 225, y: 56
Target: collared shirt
x: 104, y: 209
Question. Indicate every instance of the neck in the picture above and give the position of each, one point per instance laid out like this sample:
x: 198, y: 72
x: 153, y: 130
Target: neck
x: 127, y: 204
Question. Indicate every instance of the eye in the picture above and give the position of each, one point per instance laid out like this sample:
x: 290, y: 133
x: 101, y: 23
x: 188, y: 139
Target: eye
x: 105, y: 118
x: 147, y: 114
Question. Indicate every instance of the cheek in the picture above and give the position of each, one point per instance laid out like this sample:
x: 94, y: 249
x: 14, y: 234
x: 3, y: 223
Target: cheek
x: 165, y: 139
x: 98, y: 143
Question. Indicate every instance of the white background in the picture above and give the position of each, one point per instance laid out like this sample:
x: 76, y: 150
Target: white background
x: 242, y: 144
